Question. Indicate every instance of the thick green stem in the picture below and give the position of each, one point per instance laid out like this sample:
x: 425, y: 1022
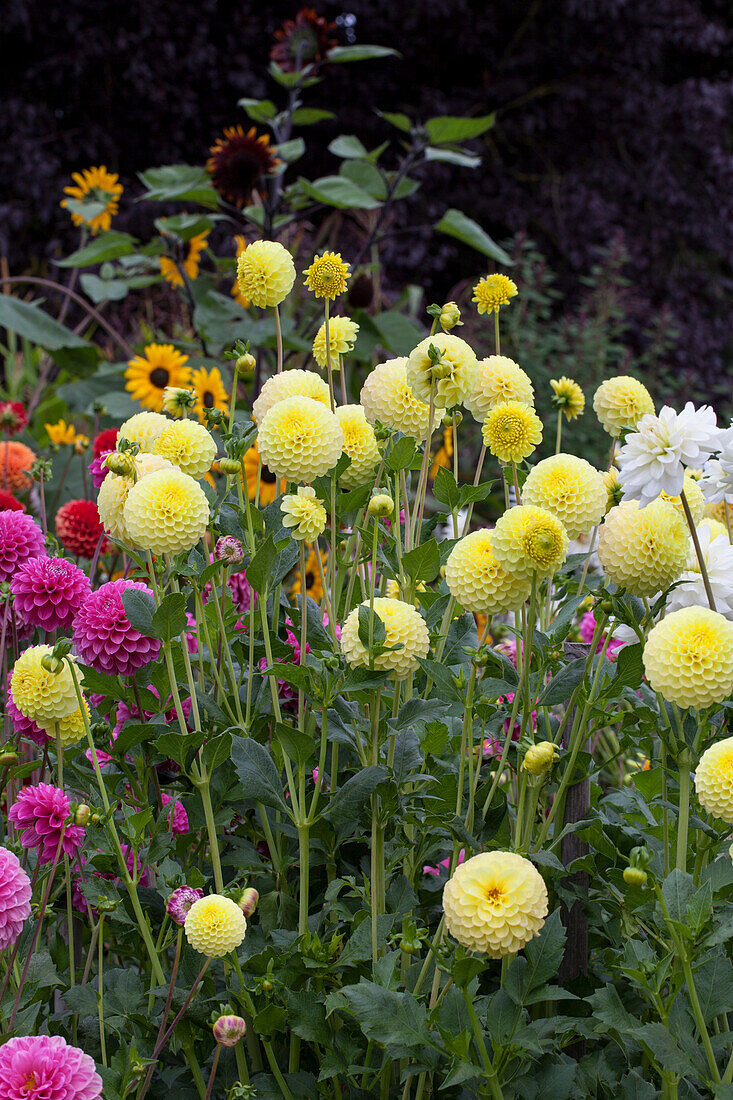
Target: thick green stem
x: 491, y: 1078
x: 683, y: 764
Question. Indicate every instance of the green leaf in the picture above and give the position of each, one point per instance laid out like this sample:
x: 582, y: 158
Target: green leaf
x: 629, y: 667
x: 544, y: 953
x: 398, y: 1021
x: 32, y: 322
x: 400, y: 453
x: 108, y: 246
x: 307, y: 1016
x: 259, y: 110
x: 290, y: 151
x: 216, y: 751
x: 563, y: 620
x: 259, y: 570
x: 140, y: 608
x: 397, y: 119
x: 397, y: 332
x: 563, y: 684
x: 379, y: 632
x: 339, y: 192
x: 347, y: 146
x: 296, y: 744
x: 445, y: 488
x: 423, y: 563
x: 104, y: 290
x: 457, y: 224
x: 306, y: 116
x: 179, y: 182
x: 169, y: 619
x: 345, y: 807
x: 340, y: 54
x: 677, y: 891
x: 257, y: 773
x: 183, y: 226
x: 714, y: 984
x: 451, y: 128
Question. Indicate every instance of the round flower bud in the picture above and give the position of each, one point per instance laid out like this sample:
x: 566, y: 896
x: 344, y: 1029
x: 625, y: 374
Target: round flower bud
x: 82, y: 814
x: 229, y: 549
x: 688, y: 657
x: 403, y: 624
x: 248, y: 901
x: 143, y: 428
x: 245, y: 365
x: 265, y: 273
x: 228, y: 1030
x: 381, y: 505
x: 187, y: 445
x: 620, y: 403
x: 360, y: 444
x: 450, y: 316
x: 215, y: 925
x: 714, y: 780
x: 529, y: 540
x: 643, y: 550
x: 290, y: 383
x: 571, y: 489
x: 177, y: 400
x: 180, y: 902
x: 634, y: 876
x: 120, y: 463
x: 230, y: 466
x: 495, y: 903
x: 453, y: 381
x: 300, y: 439
x: 539, y: 758
x: 166, y: 512
x: 498, y: 380
x: 480, y: 583
x: 387, y: 396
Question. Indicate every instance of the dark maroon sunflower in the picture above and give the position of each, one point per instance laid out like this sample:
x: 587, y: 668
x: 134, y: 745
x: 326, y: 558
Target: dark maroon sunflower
x: 239, y: 163
x: 303, y: 41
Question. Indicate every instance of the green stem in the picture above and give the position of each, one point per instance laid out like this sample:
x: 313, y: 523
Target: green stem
x: 491, y: 1079
x: 698, y: 551
x: 100, y: 990
x: 683, y: 764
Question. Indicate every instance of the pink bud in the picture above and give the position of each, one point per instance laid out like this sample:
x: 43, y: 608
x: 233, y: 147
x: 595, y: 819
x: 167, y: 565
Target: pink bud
x: 181, y: 901
x: 228, y: 1030
x: 248, y: 901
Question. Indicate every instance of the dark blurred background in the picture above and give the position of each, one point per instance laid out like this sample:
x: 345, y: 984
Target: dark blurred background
x: 613, y: 131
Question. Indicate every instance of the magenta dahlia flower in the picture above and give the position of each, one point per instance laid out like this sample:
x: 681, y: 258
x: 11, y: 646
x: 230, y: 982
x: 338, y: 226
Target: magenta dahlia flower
x: 181, y: 901
x: 20, y: 539
x: 46, y: 1067
x: 15, y: 898
x: 26, y: 727
x: 39, y: 813
x: 49, y: 592
x: 176, y: 815
x: 105, y: 638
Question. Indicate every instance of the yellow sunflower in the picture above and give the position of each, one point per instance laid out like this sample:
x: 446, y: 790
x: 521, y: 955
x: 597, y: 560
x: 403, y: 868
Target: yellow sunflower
x: 267, y: 478
x: 170, y: 270
x: 444, y: 454
x: 210, y: 393
x: 313, y: 586
x: 61, y: 433
x: 236, y: 291
x: 148, y: 375
x: 95, y: 188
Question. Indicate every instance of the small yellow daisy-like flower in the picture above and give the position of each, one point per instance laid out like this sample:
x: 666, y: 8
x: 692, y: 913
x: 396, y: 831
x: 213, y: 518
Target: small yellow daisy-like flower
x: 148, y: 375
x: 210, y: 392
x: 61, y: 432
x: 620, y: 403
x: 529, y: 540
x: 290, y: 383
x: 313, y: 585
x: 215, y: 925
x: 387, y: 396
x: 568, y: 396
x: 170, y: 270
x: 94, y: 187
x: 403, y: 625
x: 265, y: 273
x: 479, y: 582
x: 695, y: 499
x: 511, y: 431
x: 303, y: 514
x: 714, y: 780
x: 71, y: 729
x: 166, y: 512
x: 451, y: 379
x: 240, y: 245
x: 327, y: 275
x: 187, y: 445
x: 614, y: 488
x: 113, y: 494
x: 260, y: 475
x: 498, y: 379
x: 360, y: 444
x: 177, y: 400
x: 495, y: 903
x: 444, y: 453
x: 341, y: 337
x: 300, y: 439
x: 492, y: 292
x: 571, y: 489
x: 688, y: 657
x: 43, y: 696
x: 643, y: 550
x: 143, y: 428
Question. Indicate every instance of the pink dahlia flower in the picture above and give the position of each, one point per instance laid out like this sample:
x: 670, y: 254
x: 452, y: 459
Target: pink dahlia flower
x: 181, y: 901
x: 26, y: 727
x: 15, y: 898
x: 20, y: 539
x: 444, y: 864
x: 39, y: 813
x: 49, y: 592
x: 127, y: 714
x: 46, y: 1067
x: 177, y: 816
x: 105, y: 638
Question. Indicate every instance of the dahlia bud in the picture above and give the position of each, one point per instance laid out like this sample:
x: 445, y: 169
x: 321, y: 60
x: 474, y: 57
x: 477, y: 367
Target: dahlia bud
x: 121, y: 464
x: 80, y: 445
x: 248, y: 901
x: 245, y: 365
x: 177, y: 400
x: 82, y: 815
x: 455, y: 419
x: 52, y: 664
x: 8, y: 758
x: 228, y: 1030
x: 442, y: 369
x: 181, y: 901
x: 450, y: 316
x: 538, y: 759
x: 229, y: 550
x: 95, y: 819
x: 634, y: 876
x: 230, y: 466
x: 381, y: 505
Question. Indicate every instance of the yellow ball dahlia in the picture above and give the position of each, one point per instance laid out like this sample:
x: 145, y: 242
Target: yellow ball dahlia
x: 717, y: 511
x: 529, y: 540
x: 511, y: 431
x: 403, y: 625
x: 688, y: 657
x: 714, y: 526
x: 166, y: 512
x: 187, y: 445
x: 643, y: 549
x: 327, y: 275
x: 495, y: 903
x: 452, y: 378
x: 144, y: 428
x: 303, y: 514
x: 342, y: 332
x: 498, y: 379
x: 300, y: 439
x: 714, y: 780
x: 72, y: 728
x: 43, y: 696
x: 290, y: 383
x: 479, y: 582
x: 114, y: 490
x: 387, y: 396
x: 620, y: 403
x: 492, y: 292
x: 265, y: 273
x: 360, y: 444
x: 215, y: 925
x: 571, y: 489
x: 567, y: 396
x: 695, y: 499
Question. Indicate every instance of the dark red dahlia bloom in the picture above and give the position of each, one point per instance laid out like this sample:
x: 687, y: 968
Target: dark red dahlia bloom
x: 12, y: 417
x: 105, y: 441
x: 78, y: 528
x: 8, y: 503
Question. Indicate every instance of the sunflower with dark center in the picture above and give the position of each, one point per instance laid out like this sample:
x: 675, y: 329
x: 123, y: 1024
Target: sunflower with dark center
x: 313, y: 583
x: 239, y: 163
x: 267, y: 480
x: 210, y: 393
x: 148, y: 375
x: 303, y: 41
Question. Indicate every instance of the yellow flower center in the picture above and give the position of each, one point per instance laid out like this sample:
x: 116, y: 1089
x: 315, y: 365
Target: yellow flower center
x: 542, y: 545
x: 30, y: 1083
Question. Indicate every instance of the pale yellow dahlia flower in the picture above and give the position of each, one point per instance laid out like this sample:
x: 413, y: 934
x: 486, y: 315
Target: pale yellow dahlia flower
x: 714, y: 780
x: 688, y: 657
x: 113, y: 493
x: 342, y: 332
x: 387, y: 396
x: 327, y: 275
x: 265, y: 273
x: 452, y: 379
x: 498, y: 379
x: 143, y: 428
x: 479, y: 582
x: 492, y: 292
x: 529, y: 540
x: 72, y: 728
x: 300, y: 439
x: 360, y: 444
x: 620, y: 403
x: 695, y: 499
x: 495, y: 903
x: 290, y: 383
x: 567, y: 396
x: 166, y: 512
x: 187, y: 445
x: 571, y: 489
x: 511, y: 431
x: 643, y: 550
x: 215, y: 925
x: 303, y: 514
x: 43, y: 696
x: 404, y: 626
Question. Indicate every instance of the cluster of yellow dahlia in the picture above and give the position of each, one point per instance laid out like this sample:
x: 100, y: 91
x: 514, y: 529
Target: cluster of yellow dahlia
x: 215, y: 925
x: 620, y: 403
x: 43, y: 696
x: 451, y: 379
x: 643, y: 549
x: 300, y: 439
x: 571, y: 489
x: 714, y: 780
x: 290, y: 383
x: 187, y: 445
x: 404, y: 626
x: 528, y: 540
x: 114, y: 491
x: 479, y: 582
x: 688, y: 657
x: 143, y: 428
x: 511, y: 431
x: 166, y: 512
x: 495, y: 903
x: 360, y: 444
x: 388, y: 397
x: 498, y: 379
